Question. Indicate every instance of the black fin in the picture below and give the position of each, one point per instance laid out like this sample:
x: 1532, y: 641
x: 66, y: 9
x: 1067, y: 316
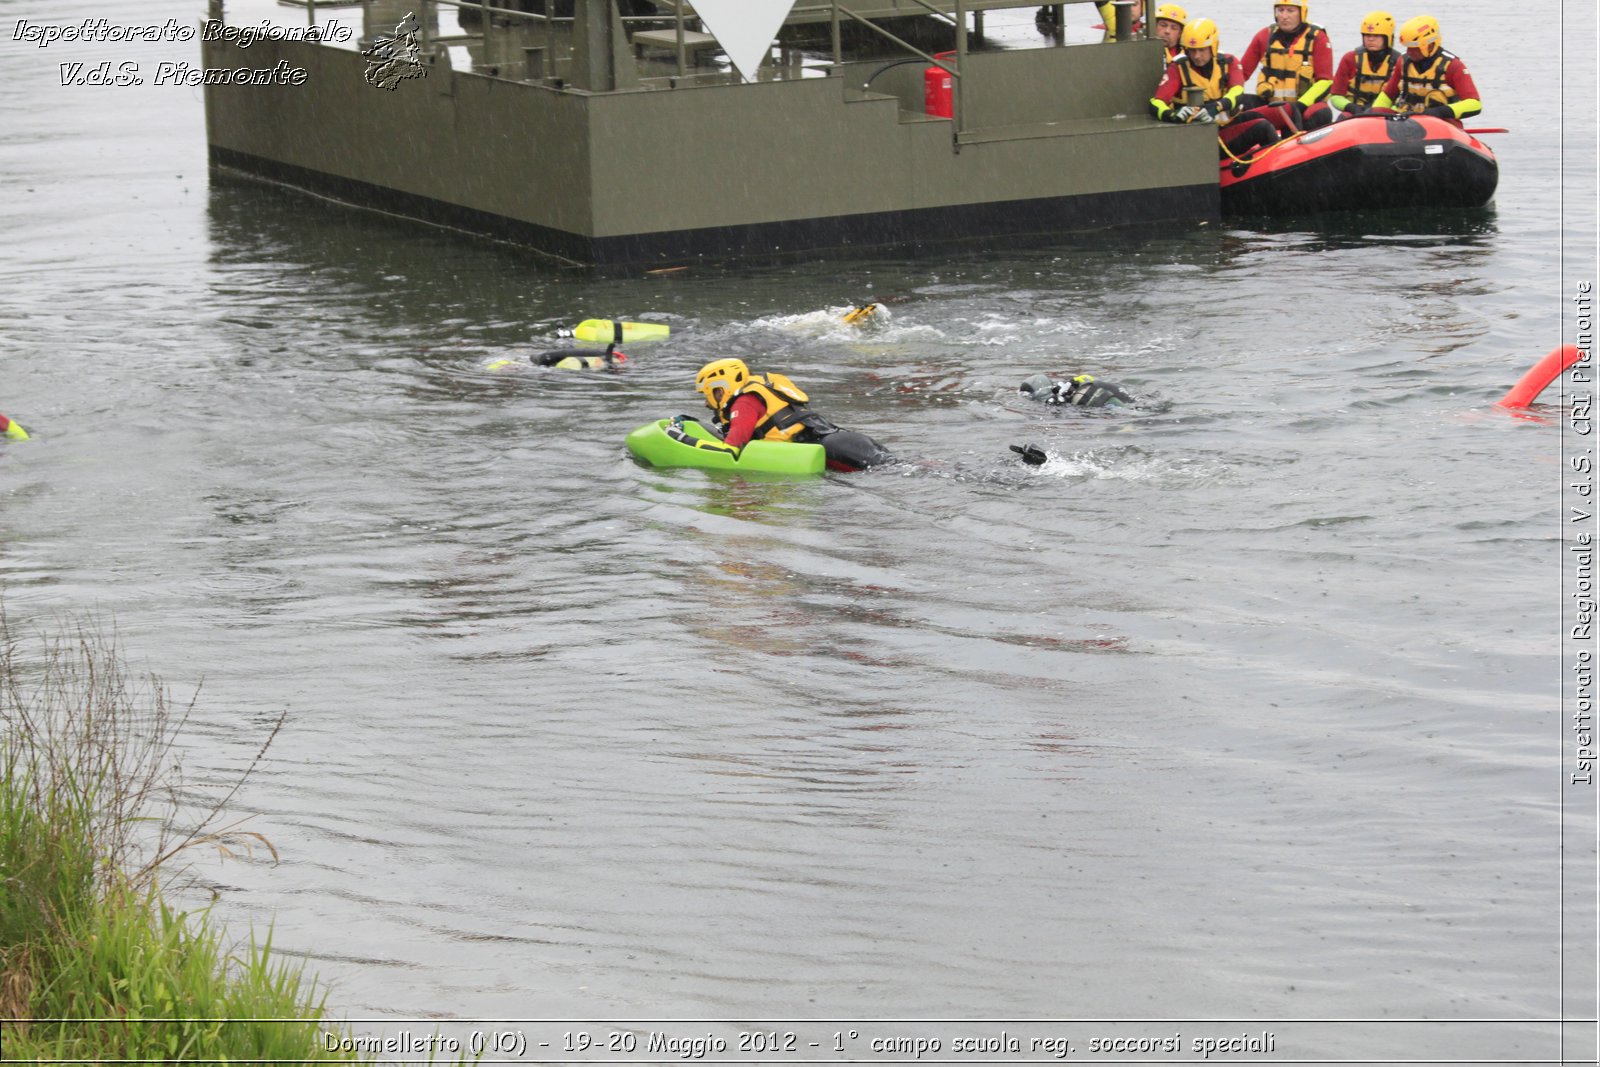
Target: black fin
x: 1032, y: 455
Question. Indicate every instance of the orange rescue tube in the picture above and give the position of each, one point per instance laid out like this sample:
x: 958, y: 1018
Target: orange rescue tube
x: 1540, y: 375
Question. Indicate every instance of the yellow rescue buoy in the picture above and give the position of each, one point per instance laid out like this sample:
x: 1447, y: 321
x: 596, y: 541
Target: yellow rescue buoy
x: 604, y: 331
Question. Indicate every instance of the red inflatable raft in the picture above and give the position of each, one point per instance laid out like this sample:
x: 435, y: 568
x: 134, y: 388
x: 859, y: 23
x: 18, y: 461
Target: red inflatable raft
x: 1377, y: 161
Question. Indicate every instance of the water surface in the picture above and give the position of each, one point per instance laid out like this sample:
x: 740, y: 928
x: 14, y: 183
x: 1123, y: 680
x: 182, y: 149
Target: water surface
x: 1245, y: 706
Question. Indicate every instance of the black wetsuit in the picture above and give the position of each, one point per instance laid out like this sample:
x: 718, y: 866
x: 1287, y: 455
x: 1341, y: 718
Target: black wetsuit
x: 1081, y: 391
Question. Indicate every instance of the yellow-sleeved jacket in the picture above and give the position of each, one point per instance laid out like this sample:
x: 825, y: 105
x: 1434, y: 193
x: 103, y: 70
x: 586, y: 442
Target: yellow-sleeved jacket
x: 1221, y: 84
x: 1289, y: 70
x: 1370, y: 74
x: 1439, y: 81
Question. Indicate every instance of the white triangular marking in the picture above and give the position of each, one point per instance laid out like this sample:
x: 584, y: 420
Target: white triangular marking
x: 744, y: 28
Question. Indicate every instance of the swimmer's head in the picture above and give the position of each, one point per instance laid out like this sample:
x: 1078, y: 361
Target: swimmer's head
x: 867, y: 314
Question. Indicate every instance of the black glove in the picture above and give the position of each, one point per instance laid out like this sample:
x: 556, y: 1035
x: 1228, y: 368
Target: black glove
x: 1171, y: 115
x: 1357, y: 108
x: 1440, y: 111
x: 1214, y: 107
x: 1032, y: 455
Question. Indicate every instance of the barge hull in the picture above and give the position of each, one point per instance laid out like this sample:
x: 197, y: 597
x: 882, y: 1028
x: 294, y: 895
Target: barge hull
x: 967, y: 224
x: 1055, y: 142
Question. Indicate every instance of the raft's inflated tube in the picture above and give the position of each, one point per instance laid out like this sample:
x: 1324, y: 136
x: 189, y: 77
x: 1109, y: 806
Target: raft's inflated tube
x: 1541, y: 374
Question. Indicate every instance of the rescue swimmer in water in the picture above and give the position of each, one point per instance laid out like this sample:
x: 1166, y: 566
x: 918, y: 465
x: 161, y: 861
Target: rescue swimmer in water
x: 1081, y: 390
x: 770, y: 407
x: 12, y: 429
x: 568, y: 359
x: 581, y: 359
x: 870, y: 313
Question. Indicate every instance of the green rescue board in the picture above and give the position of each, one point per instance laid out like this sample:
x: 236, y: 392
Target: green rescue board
x: 658, y: 444
x: 604, y: 331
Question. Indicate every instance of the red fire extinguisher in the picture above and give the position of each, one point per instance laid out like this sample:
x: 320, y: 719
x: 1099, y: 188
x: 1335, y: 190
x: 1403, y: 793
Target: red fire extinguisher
x: 938, y: 92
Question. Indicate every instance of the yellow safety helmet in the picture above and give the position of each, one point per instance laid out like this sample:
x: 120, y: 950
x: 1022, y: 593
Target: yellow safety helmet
x: 1421, y: 33
x: 1380, y: 23
x: 1201, y: 33
x: 1172, y: 13
x: 1303, y: 5
x: 719, y: 380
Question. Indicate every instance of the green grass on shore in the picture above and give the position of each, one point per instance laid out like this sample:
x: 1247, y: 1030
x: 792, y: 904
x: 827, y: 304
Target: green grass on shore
x: 93, y: 965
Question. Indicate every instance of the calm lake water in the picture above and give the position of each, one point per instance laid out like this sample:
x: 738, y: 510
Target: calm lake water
x: 1245, y: 707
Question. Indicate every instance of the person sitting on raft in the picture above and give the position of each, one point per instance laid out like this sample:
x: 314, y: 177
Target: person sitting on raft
x: 11, y: 429
x: 1362, y: 74
x: 1296, y: 70
x: 1219, y: 83
x: 1081, y: 390
x: 770, y: 407
x: 1169, y: 24
x: 1430, y: 81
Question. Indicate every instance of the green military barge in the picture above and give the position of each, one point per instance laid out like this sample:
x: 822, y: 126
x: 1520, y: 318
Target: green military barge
x: 614, y: 133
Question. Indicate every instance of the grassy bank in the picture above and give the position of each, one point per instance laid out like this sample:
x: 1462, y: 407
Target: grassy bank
x: 93, y: 965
